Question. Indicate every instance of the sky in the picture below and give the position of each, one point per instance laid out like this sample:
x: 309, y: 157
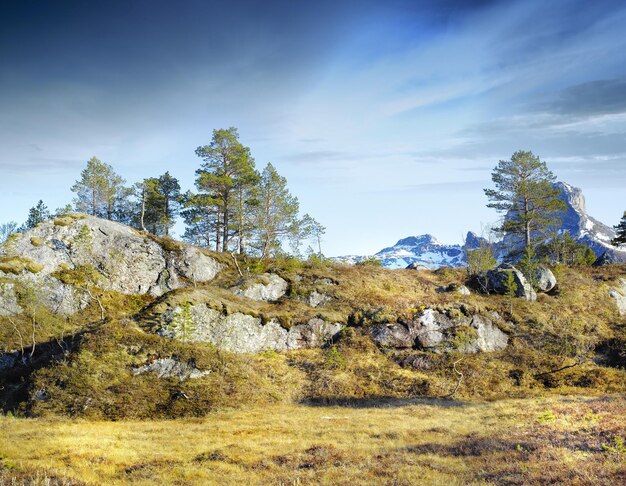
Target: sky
x: 386, y: 117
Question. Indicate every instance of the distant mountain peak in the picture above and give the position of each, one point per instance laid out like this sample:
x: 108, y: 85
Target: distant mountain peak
x: 426, y: 250
x: 418, y: 240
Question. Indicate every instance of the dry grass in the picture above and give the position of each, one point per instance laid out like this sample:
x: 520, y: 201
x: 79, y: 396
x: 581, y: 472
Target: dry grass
x: 534, y: 441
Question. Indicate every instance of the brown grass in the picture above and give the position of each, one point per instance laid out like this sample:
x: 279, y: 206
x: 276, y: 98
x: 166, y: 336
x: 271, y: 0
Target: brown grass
x: 534, y: 441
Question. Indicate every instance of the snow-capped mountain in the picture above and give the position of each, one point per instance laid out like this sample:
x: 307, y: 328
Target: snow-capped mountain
x: 584, y: 228
x: 425, y: 250
x: 581, y: 227
x: 422, y: 250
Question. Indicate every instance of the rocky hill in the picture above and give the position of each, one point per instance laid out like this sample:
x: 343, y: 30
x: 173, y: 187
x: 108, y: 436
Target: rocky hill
x: 101, y: 320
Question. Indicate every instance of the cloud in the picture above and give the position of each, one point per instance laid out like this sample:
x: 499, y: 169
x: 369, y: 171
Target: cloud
x: 598, y: 97
x: 38, y: 165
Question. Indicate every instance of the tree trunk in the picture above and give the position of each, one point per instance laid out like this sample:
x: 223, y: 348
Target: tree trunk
x: 167, y: 215
x: 526, y: 223
x: 217, y: 232
x: 225, y: 228
x: 143, y: 208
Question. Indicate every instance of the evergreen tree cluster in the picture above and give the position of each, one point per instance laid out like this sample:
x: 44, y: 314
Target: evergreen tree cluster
x: 235, y: 208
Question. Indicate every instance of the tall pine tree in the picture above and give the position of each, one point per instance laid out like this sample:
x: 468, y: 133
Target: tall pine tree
x: 100, y: 191
x: 226, y: 174
x: 37, y: 214
x: 276, y: 213
x: 524, y: 191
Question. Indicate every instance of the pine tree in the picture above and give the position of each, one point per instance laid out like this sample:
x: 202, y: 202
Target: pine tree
x: 168, y: 188
x: 524, y: 191
x: 100, y: 191
x: 276, y: 213
x: 227, y: 171
x: 158, y: 204
x: 200, y: 219
x: 310, y: 228
x: 37, y: 214
x: 620, y: 237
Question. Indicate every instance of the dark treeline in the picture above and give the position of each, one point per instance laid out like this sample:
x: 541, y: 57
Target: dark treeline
x: 235, y: 208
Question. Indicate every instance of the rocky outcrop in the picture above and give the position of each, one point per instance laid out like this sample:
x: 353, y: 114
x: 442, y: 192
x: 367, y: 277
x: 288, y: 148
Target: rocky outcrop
x: 9, y: 305
x: 243, y: 333
x: 270, y: 288
x: 317, y: 299
x: 171, y: 368
x: 455, y: 288
x: 315, y: 333
x: 439, y: 332
x: 619, y: 295
x: 122, y: 259
x: 545, y: 280
x: 416, y: 266
x: 497, y: 282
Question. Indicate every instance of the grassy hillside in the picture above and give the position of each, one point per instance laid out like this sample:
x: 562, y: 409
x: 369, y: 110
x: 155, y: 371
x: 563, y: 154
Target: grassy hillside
x: 569, y: 342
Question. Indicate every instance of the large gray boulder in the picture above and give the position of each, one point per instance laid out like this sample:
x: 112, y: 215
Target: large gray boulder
x: 9, y: 305
x: 619, y: 295
x: 125, y: 261
x: 498, y: 277
x: 398, y: 335
x: 243, y: 333
x: 545, y: 280
x: 315, y: 333
x: 271, y: 287
x: 317, y: 299
x: 438, y: 332
x: 171, y: 368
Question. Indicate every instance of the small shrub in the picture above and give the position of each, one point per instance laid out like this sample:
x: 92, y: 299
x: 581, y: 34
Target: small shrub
x: 334, y: 359
x: 36, y: 241
x: 616, y: 448
x: 546, y: 417
x: 370, y: 262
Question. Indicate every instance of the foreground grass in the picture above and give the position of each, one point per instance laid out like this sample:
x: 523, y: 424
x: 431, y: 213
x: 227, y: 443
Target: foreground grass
x: 556, y: 440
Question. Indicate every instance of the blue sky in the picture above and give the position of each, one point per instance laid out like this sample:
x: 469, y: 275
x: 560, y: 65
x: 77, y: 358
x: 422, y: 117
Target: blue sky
x: 386, y: 117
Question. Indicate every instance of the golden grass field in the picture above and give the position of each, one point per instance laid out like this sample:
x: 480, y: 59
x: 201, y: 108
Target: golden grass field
x: 555, y: 440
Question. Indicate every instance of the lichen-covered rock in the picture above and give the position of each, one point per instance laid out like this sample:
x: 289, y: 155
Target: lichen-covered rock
x: 122, y: 259
x: 269, y: 289
x: 393, y: 335
x: 545, y: 280
x: 498, y: 277
x: 456, y: 288
x: 488, y: 336
x: 619, y: 295
x: 313, y: 334
x: 171, y: 368
x: 195, y: 266
x: 436, y: 331
x: 462, y: 290
x: 430, y: 328
x: 242, y: 333
x: 9, y: 305
x: 317, y: 299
